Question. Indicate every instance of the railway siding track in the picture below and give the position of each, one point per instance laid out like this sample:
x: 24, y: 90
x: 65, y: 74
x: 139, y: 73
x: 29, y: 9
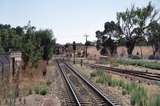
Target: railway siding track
x: 140, y: 74
x: 86, y: 94
x: 146, y: 76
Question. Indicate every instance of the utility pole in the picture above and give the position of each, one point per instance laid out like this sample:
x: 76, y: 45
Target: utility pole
x: 86, y: 36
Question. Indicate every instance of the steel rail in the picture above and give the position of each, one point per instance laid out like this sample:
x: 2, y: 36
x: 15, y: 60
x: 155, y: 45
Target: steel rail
x: 91, y: 86
x: 129, y: 72
x: 70, y: 87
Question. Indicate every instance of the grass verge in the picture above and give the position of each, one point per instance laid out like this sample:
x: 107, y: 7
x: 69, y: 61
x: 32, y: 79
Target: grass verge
x: 138, y: 95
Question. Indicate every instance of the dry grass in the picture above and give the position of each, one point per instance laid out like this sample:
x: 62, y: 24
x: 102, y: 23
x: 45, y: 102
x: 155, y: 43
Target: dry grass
x: 146, y: 51
x: 152, y: 89
x: 30, y: 77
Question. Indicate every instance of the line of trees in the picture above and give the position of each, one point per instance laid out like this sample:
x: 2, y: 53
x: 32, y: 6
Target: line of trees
x: 134, y: 26
x: 34, y: 44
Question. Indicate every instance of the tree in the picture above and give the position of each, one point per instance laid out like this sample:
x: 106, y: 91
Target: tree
x: 33, y: 44
x: 28, y: 46
x: 44, y: 39
x: 127, y: 22
x: 154, y: 37
x: 134, y: 23
x: 9, y: 38
x: 19, y: 31
x: 107, y: 40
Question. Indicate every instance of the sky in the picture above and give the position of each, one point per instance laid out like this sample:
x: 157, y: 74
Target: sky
x: 70, y: 20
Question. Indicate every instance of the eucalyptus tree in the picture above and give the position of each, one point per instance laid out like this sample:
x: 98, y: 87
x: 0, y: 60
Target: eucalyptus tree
x: 107, y: 39
x: 154, y: 37
x: 134, y: 23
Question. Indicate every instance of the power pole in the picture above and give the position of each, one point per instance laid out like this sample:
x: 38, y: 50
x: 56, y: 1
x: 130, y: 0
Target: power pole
x: 86, y: 36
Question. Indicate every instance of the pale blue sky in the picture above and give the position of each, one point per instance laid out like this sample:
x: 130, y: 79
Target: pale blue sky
x: 69, y: 19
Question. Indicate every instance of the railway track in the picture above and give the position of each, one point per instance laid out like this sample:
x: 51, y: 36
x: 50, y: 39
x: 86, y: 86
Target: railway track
x: 67, y: 96
x: 140, y: 74
x: 84, y: 93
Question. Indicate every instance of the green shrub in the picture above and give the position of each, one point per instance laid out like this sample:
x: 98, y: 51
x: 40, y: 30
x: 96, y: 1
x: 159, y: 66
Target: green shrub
x: 100, y: 73
x: 101, y: 77
x: 124, y: 92
x: 102, y: 80
x: 130, y: 87
x: 139, y: 97
x: 109, y: 83
x: 41, y: 89
x: 44, y: 91
x: 121, y: 83
x: 36, y: 90
x: 155, y: 101
x: 93, y: 74
x: 114, y: 83
x: 106, y: 79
